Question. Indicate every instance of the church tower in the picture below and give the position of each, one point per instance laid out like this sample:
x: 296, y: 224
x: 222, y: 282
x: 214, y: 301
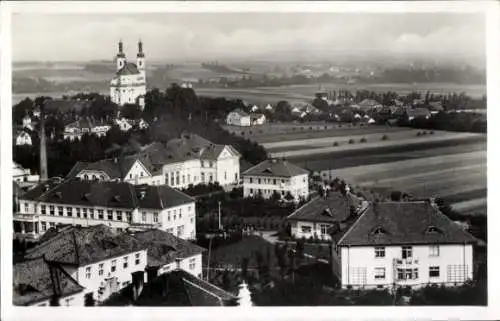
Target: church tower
x: 141, y: 59
x: 120, y: 56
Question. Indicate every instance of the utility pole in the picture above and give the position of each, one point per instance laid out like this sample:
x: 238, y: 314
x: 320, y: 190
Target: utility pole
x: 220, y: 225
x: 209, y: 252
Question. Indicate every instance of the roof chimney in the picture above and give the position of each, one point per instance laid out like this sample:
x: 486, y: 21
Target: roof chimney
x: 43, y: 147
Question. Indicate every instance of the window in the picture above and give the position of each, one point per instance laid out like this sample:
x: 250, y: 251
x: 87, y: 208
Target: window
x: 251, y: 180
x: 91, y: 213
x: 26, y: 208
x: 119, y: 215
x: 101, y: 214
x: 407, y: 274
x: 69, y: 211
x: 177, y: 178
x: 129, y: 216
x: 211, y: 178
x: 192, y: 220
x: 324, y: 229
x: 305, y: 229
x: 192, y: 263
x: 172, y: 182
x: 211, y: 164
x: 434, y: 271
x: 183, y: 179
x: 189, y: 209
x: 407, y: 252
x: 110, y: 214
x: 44, y: 226
x: 170, y: 230
x: 155, y: 217
x: 180, y: 230
x: 379, y: 251
x: 202, y: 177
x: 88, y: 272
x: 144, y: 217
x: 379, y: 273
x: 434, y: 250
x: 225, y: 175
x: 84, y: 210
x: 43, y: 209
x: 189, y: 178
x: 235, y: 176
x: 274, y: 181
x: 78, y: 212
x: 125, y: 262
x: 60, y: 210
x: 258, y: 181
x: 168, y: 215
x: 457, y: 273
x: 113, y: 266
x: 137, y: 258
x: 357, y: 275
x: 101, y: 268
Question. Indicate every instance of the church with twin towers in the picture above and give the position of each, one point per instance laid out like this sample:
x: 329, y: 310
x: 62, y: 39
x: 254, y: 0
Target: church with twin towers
x: 128, y: 86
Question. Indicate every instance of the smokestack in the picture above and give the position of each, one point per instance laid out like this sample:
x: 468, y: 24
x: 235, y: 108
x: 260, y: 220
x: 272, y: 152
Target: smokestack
x: 43, y: 147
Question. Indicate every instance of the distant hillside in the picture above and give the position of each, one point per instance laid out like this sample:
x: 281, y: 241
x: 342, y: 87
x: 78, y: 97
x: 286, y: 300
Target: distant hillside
x: 101, y: 67
x: 221, y: 68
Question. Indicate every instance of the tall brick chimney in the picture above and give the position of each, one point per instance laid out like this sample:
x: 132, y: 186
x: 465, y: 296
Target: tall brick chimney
x: 43, y: 147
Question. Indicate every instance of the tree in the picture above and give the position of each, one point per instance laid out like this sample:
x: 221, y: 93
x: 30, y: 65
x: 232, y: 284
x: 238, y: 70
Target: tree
x: 131, y: 111
x: 244, y: 267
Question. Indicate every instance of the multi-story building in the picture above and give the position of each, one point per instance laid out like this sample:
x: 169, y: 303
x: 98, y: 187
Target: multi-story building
x: 278, y: 176
x: 127, y: 124
x: 128, y: 86
x: 78, y: 128
x: 238, y: 118
x: 116, y: 204
x: 167, y: 252
x: 322, y: 215
x: 39, y: 283
x: 99, y: 259
x: 189, y: 160
x: 404, y: 244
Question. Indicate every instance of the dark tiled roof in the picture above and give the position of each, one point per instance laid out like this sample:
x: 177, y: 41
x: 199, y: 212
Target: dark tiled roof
x: 275, y: 167
x: 114, y: 168
x: 84, y: 245
x: 108, y: 194
x: 164, y: 248
x: 404, y: 223
x: 32, y: 282
x: 333, y: 208
x: 128, y: 69
x: 183, y: 289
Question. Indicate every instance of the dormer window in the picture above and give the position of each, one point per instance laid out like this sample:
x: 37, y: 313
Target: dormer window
x: 433, y: 230
x: 378, y: 231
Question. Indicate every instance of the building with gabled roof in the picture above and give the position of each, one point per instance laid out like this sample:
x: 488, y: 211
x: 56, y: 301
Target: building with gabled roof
x: 118, y: 205
x: 36, y: 282
x: 325, y: 217
x: 76, y: 129
x: 405, y: 244
x: 238, y: 118
x: 100, y: 259
x: 257, y: 119
x: 276, y: 175
x: 128, y: 86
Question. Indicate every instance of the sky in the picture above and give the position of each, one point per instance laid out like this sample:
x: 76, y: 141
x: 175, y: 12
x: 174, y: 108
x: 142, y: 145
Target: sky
x: 200, y: 36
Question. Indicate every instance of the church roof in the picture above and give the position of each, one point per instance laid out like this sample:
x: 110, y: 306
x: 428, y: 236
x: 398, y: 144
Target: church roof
x: 128, y: 69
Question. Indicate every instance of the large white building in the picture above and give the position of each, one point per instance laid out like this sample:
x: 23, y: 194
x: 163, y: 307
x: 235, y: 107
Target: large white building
x: 404, y: 244
x: 238, y: 118
x: 83, y: 126
x: 115, y: 204
x: 278, y: 176
x: 129, y: 84
x: 184, y: 161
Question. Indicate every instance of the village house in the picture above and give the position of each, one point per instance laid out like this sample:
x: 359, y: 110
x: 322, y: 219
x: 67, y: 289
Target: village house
x: 36, y: 282
x: 23, y: 137
x: 413, y: 113
x: 318, y: 217
x: 404, y: 244
x: 238, y: 118
x: 101, y: 260
x: 116, y: 204
x: 280, y: 176
x: 127, y: 124
x: 369, y: 104
x: 80, y: 127
x: 257, y: 119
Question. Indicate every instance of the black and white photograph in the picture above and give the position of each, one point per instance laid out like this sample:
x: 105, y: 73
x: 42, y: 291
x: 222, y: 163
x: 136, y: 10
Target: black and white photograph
x: 235, y: 155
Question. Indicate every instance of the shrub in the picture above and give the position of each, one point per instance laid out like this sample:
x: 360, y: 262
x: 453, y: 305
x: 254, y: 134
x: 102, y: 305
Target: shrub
x: 293, y: 128
x: 424, y: 132
x: 340, y: 126
x: 310, y: 128
x: 419, y: 133
x: 351, y: 141
x: 260, y: 131
x: 362, y: 140
x: 335, y: 144
x: 326, y: 127
x: 385, y: 137
x: 431, y: 132
x: 242, y: 133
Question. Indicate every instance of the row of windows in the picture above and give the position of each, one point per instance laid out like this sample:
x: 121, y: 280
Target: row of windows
x: 308, y: 229
x: 179, y: 230
x: 273, y: 181
x: 90, y: 213
x: 113, y: 265
x: 456, y: 273
x: 407, y: 251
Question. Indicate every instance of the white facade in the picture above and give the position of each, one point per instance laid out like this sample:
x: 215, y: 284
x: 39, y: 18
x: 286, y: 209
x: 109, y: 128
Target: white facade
x: 238, y: 119
x: 260, y: 120
x: 73, y: 131
x: 35, y: 218
x: 191, y: 264
x: 23, y: 138
x: 23, y: 175
x: 369, y: 266
x: 298, y: 186
x: 308, y: 229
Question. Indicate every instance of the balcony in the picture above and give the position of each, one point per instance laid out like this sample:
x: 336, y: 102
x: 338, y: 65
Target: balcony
x: 25, y: 217
x: 406, y: 263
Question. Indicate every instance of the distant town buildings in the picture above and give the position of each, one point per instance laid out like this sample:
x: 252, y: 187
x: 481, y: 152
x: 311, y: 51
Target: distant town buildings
x: 127, y: 124
x: 240, y: 118
x: 116, y: 204
x: 129, y: 84
x: 276, y: 176
x: 80, y: 127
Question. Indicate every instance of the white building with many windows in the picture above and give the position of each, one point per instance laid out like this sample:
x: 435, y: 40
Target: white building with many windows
x: 115, y: 204
x: 278, y: 176
x: 405, y: 244
x: 78, y: 128
x: 99, y: 259
x: 129, y: 84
